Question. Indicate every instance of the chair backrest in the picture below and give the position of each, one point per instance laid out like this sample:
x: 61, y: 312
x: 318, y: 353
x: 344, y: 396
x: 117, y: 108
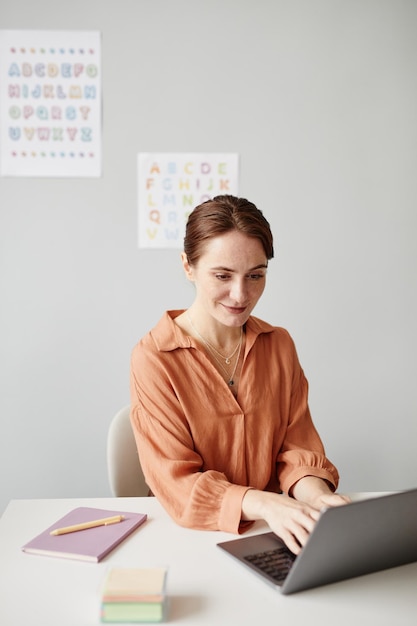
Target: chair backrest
x: 124, y: 471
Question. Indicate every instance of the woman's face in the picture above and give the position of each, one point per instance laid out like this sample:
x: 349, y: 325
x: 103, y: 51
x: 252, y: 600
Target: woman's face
x: 229, y: 277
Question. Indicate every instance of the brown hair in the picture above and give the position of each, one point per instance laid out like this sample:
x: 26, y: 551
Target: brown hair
x: 221, y: 215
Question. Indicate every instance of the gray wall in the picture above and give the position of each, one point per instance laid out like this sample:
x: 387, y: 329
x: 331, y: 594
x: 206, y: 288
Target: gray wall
x: 319, y: 98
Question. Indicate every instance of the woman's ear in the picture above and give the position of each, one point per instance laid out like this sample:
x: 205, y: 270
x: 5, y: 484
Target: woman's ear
x: 187, y: 267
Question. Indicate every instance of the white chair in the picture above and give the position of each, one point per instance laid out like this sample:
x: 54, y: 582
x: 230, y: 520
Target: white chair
x: 124, y: 471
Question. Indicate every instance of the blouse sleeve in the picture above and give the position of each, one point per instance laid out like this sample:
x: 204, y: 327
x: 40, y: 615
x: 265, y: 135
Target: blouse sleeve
x: 172, y: 468
x: 302, y: 452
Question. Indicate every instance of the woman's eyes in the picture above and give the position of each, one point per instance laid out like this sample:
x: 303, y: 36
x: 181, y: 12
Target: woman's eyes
x: 253, y: 277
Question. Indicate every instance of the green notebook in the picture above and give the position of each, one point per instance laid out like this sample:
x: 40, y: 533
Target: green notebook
x: 132, y: 612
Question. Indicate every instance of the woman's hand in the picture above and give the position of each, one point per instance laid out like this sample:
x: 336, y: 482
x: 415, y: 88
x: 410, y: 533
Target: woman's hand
x: 323, y: 501
x: 317, y: 493
x: 291, y: 520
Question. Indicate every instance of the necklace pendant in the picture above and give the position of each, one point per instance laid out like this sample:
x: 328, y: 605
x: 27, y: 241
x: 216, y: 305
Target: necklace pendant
x: 227, y: 361
x: 231, y: 383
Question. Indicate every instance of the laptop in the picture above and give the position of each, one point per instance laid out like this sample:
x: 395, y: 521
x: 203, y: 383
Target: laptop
x: 347, y: 541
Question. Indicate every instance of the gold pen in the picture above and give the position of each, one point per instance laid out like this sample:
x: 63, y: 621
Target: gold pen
x: 105, y: 521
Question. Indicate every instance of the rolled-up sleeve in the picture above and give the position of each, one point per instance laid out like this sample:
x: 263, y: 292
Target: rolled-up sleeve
x: 302, y: 452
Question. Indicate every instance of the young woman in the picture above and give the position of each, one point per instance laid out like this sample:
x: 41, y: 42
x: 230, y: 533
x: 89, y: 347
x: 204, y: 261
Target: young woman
x: 219, y: 400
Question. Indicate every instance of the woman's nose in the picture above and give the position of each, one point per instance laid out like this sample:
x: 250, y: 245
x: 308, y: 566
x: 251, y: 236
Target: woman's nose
x: 238, y: 291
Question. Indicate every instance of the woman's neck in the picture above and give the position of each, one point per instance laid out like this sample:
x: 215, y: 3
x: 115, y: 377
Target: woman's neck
x: 209, y: 330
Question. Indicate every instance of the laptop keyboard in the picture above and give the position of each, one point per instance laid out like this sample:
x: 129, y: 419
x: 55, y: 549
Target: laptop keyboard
x: 275, y: 563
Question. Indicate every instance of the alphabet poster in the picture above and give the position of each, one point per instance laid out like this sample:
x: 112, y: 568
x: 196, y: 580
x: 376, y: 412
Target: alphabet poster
x: 171, y: 185
x: 50, y: 103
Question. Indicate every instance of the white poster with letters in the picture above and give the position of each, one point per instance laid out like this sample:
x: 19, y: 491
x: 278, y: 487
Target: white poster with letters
x: 50, y: 103
x: 170, y: 185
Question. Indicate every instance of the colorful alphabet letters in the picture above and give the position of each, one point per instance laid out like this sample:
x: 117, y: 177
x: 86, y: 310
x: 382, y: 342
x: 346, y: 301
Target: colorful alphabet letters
x: 50, y: 103
x: 171, y: 185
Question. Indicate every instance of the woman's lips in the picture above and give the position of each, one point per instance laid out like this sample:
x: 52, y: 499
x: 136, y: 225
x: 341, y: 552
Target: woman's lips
x: 235, y: 310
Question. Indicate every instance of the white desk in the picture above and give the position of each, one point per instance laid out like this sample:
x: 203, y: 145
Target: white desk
x: 206, y: 587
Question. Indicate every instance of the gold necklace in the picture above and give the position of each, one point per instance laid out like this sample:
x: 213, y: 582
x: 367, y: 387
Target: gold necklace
x: 231, y: 376
x: 231, y: 381
x: 226, y: 359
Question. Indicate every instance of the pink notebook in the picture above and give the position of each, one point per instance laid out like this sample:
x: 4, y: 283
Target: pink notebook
x: 91, y: 544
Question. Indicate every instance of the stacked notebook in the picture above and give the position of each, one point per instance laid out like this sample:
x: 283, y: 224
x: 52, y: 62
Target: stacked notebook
x: 134, y: 595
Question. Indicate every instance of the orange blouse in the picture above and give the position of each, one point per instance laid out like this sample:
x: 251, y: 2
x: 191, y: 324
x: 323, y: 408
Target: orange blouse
x: 201, y: 449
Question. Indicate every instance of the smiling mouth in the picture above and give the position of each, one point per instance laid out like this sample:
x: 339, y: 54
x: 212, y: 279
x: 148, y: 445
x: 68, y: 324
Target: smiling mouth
x: 235, y: 309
